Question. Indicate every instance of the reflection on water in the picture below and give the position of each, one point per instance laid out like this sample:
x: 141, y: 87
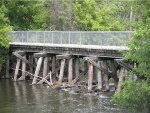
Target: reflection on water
x: 21, y: 97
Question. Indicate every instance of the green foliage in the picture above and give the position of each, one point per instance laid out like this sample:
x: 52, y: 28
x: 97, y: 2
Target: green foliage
x: 4, y: 28
x: 139, y: 47
x: 90, y: 16
x: 135, y: 96
x: 27, y: 15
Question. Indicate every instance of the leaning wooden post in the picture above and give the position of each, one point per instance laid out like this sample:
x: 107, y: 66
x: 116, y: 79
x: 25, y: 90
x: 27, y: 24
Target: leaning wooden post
x: 121, y: 77
x: 37, y: 70
x: 106, y: 77
x: 23, y: 76
x: 99, y: 77
x: 62, y: 67
x: 70, y: 71
x: 90, y: 77
x: 77, y: 67
x: 17, y: 69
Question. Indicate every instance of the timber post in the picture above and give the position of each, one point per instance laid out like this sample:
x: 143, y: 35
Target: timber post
x: 39, y: 63
x: 105, y: 77
x: 17, y: 69
x: 23, y: 76
x: 70, y: 71
x: 90, y: 77
x: 99, y: 77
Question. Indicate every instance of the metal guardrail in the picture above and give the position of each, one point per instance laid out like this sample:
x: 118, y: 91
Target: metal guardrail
x: 99, y: 38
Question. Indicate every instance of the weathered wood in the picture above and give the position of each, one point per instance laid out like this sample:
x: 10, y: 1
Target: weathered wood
x: 121, y: 77
x: 48, y: 76
x: 70, y: 71
x: 17, y: 69
x: 77, y: 67
x: 99, y: 77
x: 45, y: 69
x: 63, y: 56
x: 114, y: 71
x: 62, y: 67
x: 23, y: 70
x: 7, y: 66
x: 54, y: 67
x: 37, y: 70
x: 90, y: 77
x: 37, y: 55
x: 25, y: 60
x: 96, y: 65
x: 105, y: 77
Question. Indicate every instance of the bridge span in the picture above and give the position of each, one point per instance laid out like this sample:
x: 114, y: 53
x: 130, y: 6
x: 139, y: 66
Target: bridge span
x: 58, y: 57
x: 84, y: 43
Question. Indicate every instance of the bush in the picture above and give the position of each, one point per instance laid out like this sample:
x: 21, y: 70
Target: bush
x: 135, y: 96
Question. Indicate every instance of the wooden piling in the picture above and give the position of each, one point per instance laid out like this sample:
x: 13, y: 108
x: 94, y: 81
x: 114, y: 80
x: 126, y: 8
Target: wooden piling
x: 62, y: 67
x: 105, y: 77
x: 37, y: 70
x: 54, y: 68
x: 99, y: 77
x: 77, y: 67
x: 90, y: 77
x: 17, y: 69
x: 23, y: 76
x: 70, y: 71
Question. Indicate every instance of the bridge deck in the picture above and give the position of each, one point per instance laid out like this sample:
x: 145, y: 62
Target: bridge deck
x: 99, y: 43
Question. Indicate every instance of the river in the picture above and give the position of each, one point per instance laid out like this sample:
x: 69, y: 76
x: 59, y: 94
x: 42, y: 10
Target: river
x: 22, y: 97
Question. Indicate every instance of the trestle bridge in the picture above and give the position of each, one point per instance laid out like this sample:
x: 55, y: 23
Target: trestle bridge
x: 68, y: 57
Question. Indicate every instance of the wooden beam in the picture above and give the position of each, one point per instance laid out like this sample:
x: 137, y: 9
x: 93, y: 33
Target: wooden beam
x: 63, y: 56
x: 37, y: 55
x: 23, y: 59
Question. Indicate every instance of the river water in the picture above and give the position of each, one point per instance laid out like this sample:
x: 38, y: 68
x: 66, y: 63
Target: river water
x: 22, y: 97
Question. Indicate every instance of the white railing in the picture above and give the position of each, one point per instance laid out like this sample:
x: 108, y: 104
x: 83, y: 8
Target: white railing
x: 99, y: 38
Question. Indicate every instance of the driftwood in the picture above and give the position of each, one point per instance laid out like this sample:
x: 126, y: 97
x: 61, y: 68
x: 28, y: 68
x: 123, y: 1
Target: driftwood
x: 37, y: 76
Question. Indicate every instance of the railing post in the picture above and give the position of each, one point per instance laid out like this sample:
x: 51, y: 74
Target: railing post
x: 27, y: 36
x: 22, y: 37
x: 69, y: 37
x: 80, y: 37
x: 44, y: 36
x: 52, y: 36
x: 61, y: 37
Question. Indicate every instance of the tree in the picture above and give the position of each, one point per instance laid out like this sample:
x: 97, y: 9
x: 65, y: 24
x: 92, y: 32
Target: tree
x: 27, y: 15
x: 135, y: 96
x: 96, y: 15
x: 4, y: 29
